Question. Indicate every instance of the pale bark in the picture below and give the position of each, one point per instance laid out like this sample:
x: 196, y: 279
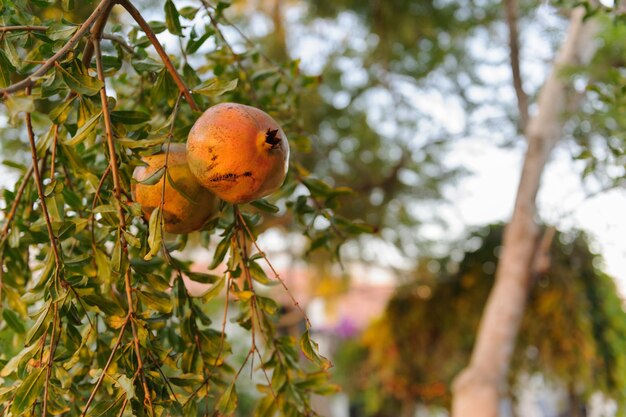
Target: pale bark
x: 479, y: 389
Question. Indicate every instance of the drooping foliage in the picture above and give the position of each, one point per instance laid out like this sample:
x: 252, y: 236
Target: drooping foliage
x: 96, y: 318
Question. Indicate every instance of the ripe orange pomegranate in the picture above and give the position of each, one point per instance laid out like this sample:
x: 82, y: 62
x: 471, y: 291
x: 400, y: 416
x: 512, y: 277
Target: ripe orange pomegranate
x: 180, y: 214
x: 239, y: 152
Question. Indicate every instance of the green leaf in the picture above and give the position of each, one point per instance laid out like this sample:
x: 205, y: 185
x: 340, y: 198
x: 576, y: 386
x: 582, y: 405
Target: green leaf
x: 60, y: 31
x: 28, y: 391
x: 215, y: 87
x: 104, y: 304
x: 317, y: 187
x: 11, y: 53
x: 39, y: 325
x: 129, y: 117
x: 127, y: 385
x: 310, y: 349
x: 188, y: 12
x: 264, y: 205
x: 147, y: 65
x: 156, y: 301
x: 6, y: 69
x: 154, y: 178
x: 258, y: 274
x: 142, y: 143
x: 107, y: 408
x: 80, y: 83
x: 202, y: 278
x: 171, y: 18
x: 132, y: 240
x: 84, y: 132
x: 67, y: 5
x: 24, y: 355
x: 215, y: 290
x: 228, y: 401
x: 220, y: 252
x: 267, y: 304
x: 14, y: 321
x: 263, y: 74
x: 179, y: 189
x: 194, y: 44
x: 60, y: 112
x: 155, y: 233
x: 18, y: 104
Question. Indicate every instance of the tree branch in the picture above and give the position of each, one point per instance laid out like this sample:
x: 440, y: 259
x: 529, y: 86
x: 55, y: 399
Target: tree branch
x: 118, y: 342
x: 96, y: 32
x: 122, y: 220
x: 511, y: 7
x: 28, y: 81
x: 42, y: 197
x: 157, y: 45
x: 53, y: 342
x: 120, y: 41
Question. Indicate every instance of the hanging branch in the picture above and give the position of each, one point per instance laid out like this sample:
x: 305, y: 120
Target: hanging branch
x: 122, y: 220
x: 38, y: 182
x: 53, y: 343
x: 511, y: 7
x: 49, y: 63
x: 117, y: 344
x: 276, y: 275
x: 159, y: 48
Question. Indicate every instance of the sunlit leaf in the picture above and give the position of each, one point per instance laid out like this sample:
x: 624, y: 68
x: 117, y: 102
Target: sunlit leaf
x: 171, y: 18
x: 228, y: 401
x: 155, y: 232
x: 310, y: 349
x: 215, y: 87
x: 28, y: 391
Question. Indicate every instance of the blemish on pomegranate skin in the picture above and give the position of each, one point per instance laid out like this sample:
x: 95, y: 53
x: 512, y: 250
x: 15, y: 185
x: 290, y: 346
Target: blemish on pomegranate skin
x: 271, y: 137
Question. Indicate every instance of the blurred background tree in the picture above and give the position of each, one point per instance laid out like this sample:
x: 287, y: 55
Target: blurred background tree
x: 572, y: 333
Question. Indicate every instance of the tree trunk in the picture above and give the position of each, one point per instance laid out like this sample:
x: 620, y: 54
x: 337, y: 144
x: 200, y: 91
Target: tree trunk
x: 479, y: 389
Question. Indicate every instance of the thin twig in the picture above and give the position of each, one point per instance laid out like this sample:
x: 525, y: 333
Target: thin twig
x: 124, y: 404
x: 96, y: 34
x: 161, y: 219
x: 28, y: 81
x: 118, y: 342
x: 276, y: 275
x: 44, y: 407
x: 16, y: 202
x: 165, y: 378
x: 222, y: 342
x: 159, y: 48
x: 42, y: 198
x: 122, y: 220
x: 120, y: 41
x: 24, y: 28
x: 93, y: 204
x: 54, y: 150
x: 511, y: 7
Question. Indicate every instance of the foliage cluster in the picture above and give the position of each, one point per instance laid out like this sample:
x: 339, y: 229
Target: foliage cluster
x: 96, y: 318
